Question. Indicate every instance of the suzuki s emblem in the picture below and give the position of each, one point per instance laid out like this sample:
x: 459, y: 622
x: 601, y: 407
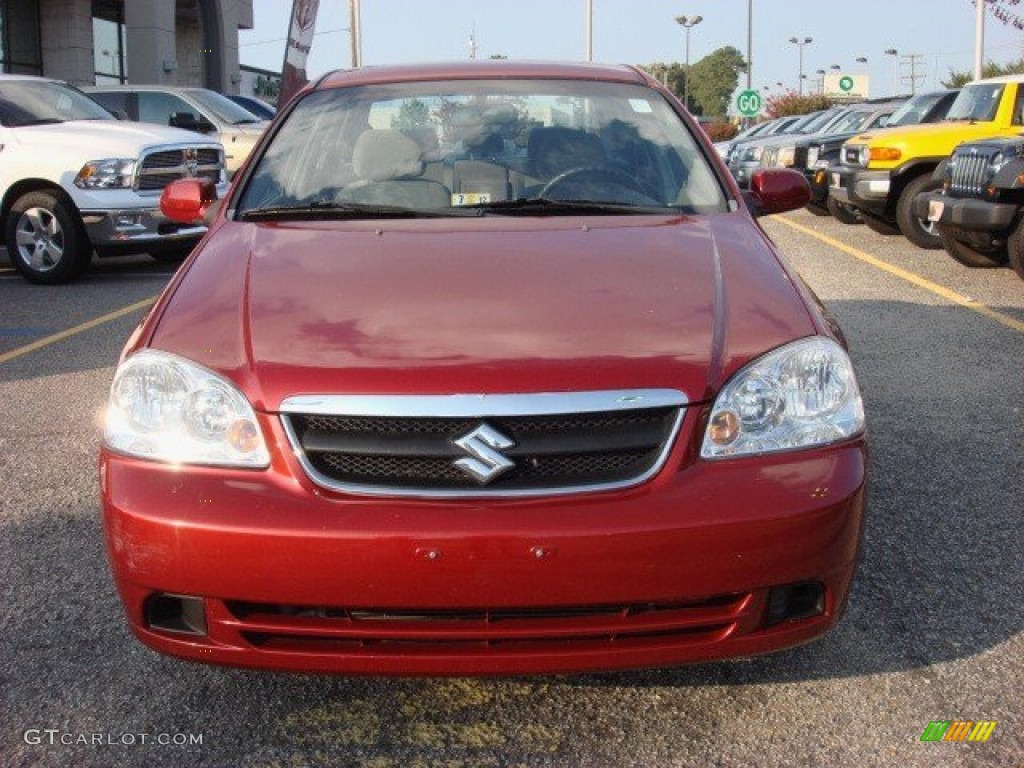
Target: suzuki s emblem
x: 191, y: 163
x: 484, y: 445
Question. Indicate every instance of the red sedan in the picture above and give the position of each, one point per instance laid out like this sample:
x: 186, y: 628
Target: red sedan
x: 483, y: 369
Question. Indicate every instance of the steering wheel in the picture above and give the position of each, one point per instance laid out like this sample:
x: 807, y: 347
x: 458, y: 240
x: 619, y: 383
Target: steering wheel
x: 598, y: 176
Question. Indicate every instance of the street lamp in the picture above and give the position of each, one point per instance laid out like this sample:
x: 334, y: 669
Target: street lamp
x: 821, y: 80
x: 896, y: 69
x: 688, y: 23
x: 800, y: 44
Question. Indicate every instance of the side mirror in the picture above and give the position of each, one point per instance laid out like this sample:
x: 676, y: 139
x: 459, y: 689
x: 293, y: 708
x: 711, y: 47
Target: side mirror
x: 776, y: 190
x: 187, y: 201
x: 120, y: 114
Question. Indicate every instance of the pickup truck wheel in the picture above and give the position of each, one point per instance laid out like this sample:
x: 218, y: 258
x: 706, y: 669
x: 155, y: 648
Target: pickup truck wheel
x: 843, y: 213
x: 968, y: 255
x: 45, y: 238
x: 921, y: 232
x: 879, y: 226
x: 1015, y: 249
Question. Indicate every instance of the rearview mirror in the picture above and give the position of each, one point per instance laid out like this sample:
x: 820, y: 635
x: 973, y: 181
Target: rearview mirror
x: 187, y: 201
x: 776, y: 190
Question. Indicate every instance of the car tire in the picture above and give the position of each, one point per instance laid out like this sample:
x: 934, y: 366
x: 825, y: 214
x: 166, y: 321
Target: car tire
x: 879, y: 226
x: 1015, y: 249
x: 816, y: 209
x: 923, y: 234
x: 843, y: 213
x: 968, y: 255
x: 45, y: 239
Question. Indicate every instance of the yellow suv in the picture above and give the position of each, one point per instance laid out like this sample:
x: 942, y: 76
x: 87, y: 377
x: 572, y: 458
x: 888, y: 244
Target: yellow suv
x: 883, y: 171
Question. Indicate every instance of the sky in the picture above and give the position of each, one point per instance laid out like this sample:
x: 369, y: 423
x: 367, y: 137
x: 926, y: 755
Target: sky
x: 644, y: 31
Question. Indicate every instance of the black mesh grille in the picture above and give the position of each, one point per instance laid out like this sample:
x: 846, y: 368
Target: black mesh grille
x: 561, y: 451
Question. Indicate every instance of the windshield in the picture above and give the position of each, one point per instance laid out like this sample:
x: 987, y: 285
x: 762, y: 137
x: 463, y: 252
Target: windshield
x: 37, y: 102
x: 482, y: 147
x: 851, y: 121
x: 816, y: 121
x: 913, y: 111
x: 977, y: 102
x: 223, y: 108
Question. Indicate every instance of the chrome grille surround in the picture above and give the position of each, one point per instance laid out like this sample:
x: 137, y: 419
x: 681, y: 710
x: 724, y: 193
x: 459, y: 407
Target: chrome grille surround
x: 419, y: 434
x: 161, y: 165
x: 971, y: 169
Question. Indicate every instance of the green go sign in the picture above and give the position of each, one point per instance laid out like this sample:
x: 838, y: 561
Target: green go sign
x: 846, y: 83
x: 748, y: 103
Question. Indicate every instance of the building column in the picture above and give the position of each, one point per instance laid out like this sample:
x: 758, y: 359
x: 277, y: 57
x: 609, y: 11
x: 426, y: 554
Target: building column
x: 66, y: 32
x: 150, y: 45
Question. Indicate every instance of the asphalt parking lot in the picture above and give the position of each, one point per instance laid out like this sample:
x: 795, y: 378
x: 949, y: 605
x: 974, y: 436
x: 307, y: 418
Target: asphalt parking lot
x: 933, y: 632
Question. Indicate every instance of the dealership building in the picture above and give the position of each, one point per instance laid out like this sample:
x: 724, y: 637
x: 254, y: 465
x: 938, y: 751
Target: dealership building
x: 170, y: 42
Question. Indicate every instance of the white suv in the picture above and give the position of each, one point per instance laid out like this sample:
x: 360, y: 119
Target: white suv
x: 74, y: 179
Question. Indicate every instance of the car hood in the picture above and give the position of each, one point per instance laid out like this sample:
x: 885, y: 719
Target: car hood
x: 493, y: 305
x: 106, y: 138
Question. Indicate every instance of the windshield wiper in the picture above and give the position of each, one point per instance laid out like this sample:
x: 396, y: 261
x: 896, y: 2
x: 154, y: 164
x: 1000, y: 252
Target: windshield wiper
x: 556, y: 207
x: 324, y: 209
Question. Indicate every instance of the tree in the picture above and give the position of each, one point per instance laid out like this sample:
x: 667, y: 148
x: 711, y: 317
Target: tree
x: 672, y: 75
x: 713, y: 80
x: 958, y: 79
x: 412, y: 114
x: 793, y: 103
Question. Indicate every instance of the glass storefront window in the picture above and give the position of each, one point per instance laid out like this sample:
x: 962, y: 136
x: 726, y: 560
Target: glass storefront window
x: 108, y: 40
x: 19, y: 37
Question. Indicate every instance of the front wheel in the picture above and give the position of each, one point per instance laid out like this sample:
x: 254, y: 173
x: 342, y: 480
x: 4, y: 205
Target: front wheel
x: 968, y: 255
x: 1015, y: 249
x: 921, y: 232
x: 45, y: 238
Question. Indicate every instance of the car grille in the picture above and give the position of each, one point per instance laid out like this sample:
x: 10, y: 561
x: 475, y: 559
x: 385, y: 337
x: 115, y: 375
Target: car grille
x: 971, y: 171
x: 305, y: 629
x: 161, y: 167
x: 542, y: 453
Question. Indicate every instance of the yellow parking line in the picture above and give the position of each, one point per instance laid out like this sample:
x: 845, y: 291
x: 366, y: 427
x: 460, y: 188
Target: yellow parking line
x: 910, y: 277
x: 53, y: 339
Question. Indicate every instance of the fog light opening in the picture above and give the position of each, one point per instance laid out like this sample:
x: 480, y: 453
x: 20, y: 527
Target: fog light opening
x: 794, y: 601
x: 176, y: 613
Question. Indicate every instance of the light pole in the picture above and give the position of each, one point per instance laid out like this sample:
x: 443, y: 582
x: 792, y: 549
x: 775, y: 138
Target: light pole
x: 688, y: 23
x: 588, y: 23
x: 821, y: 80
x: 800, y: 44
x: 896, y: 69
x: 862, y: 60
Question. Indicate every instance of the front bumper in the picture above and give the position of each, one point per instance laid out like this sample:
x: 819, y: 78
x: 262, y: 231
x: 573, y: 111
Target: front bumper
x: 136, y: 229
x: 968, y: 214
x: 297, y: 578
x: 860, y: 188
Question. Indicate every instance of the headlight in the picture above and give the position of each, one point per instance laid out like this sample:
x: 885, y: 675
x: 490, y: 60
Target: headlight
x: 786, y: 157
x: 106, y: 174
x: 812, y: 157
x: 801, y: 395
x: 165, y: 408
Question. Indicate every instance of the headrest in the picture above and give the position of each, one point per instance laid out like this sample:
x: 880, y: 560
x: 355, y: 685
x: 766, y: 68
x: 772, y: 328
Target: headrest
x: 382, y: 155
